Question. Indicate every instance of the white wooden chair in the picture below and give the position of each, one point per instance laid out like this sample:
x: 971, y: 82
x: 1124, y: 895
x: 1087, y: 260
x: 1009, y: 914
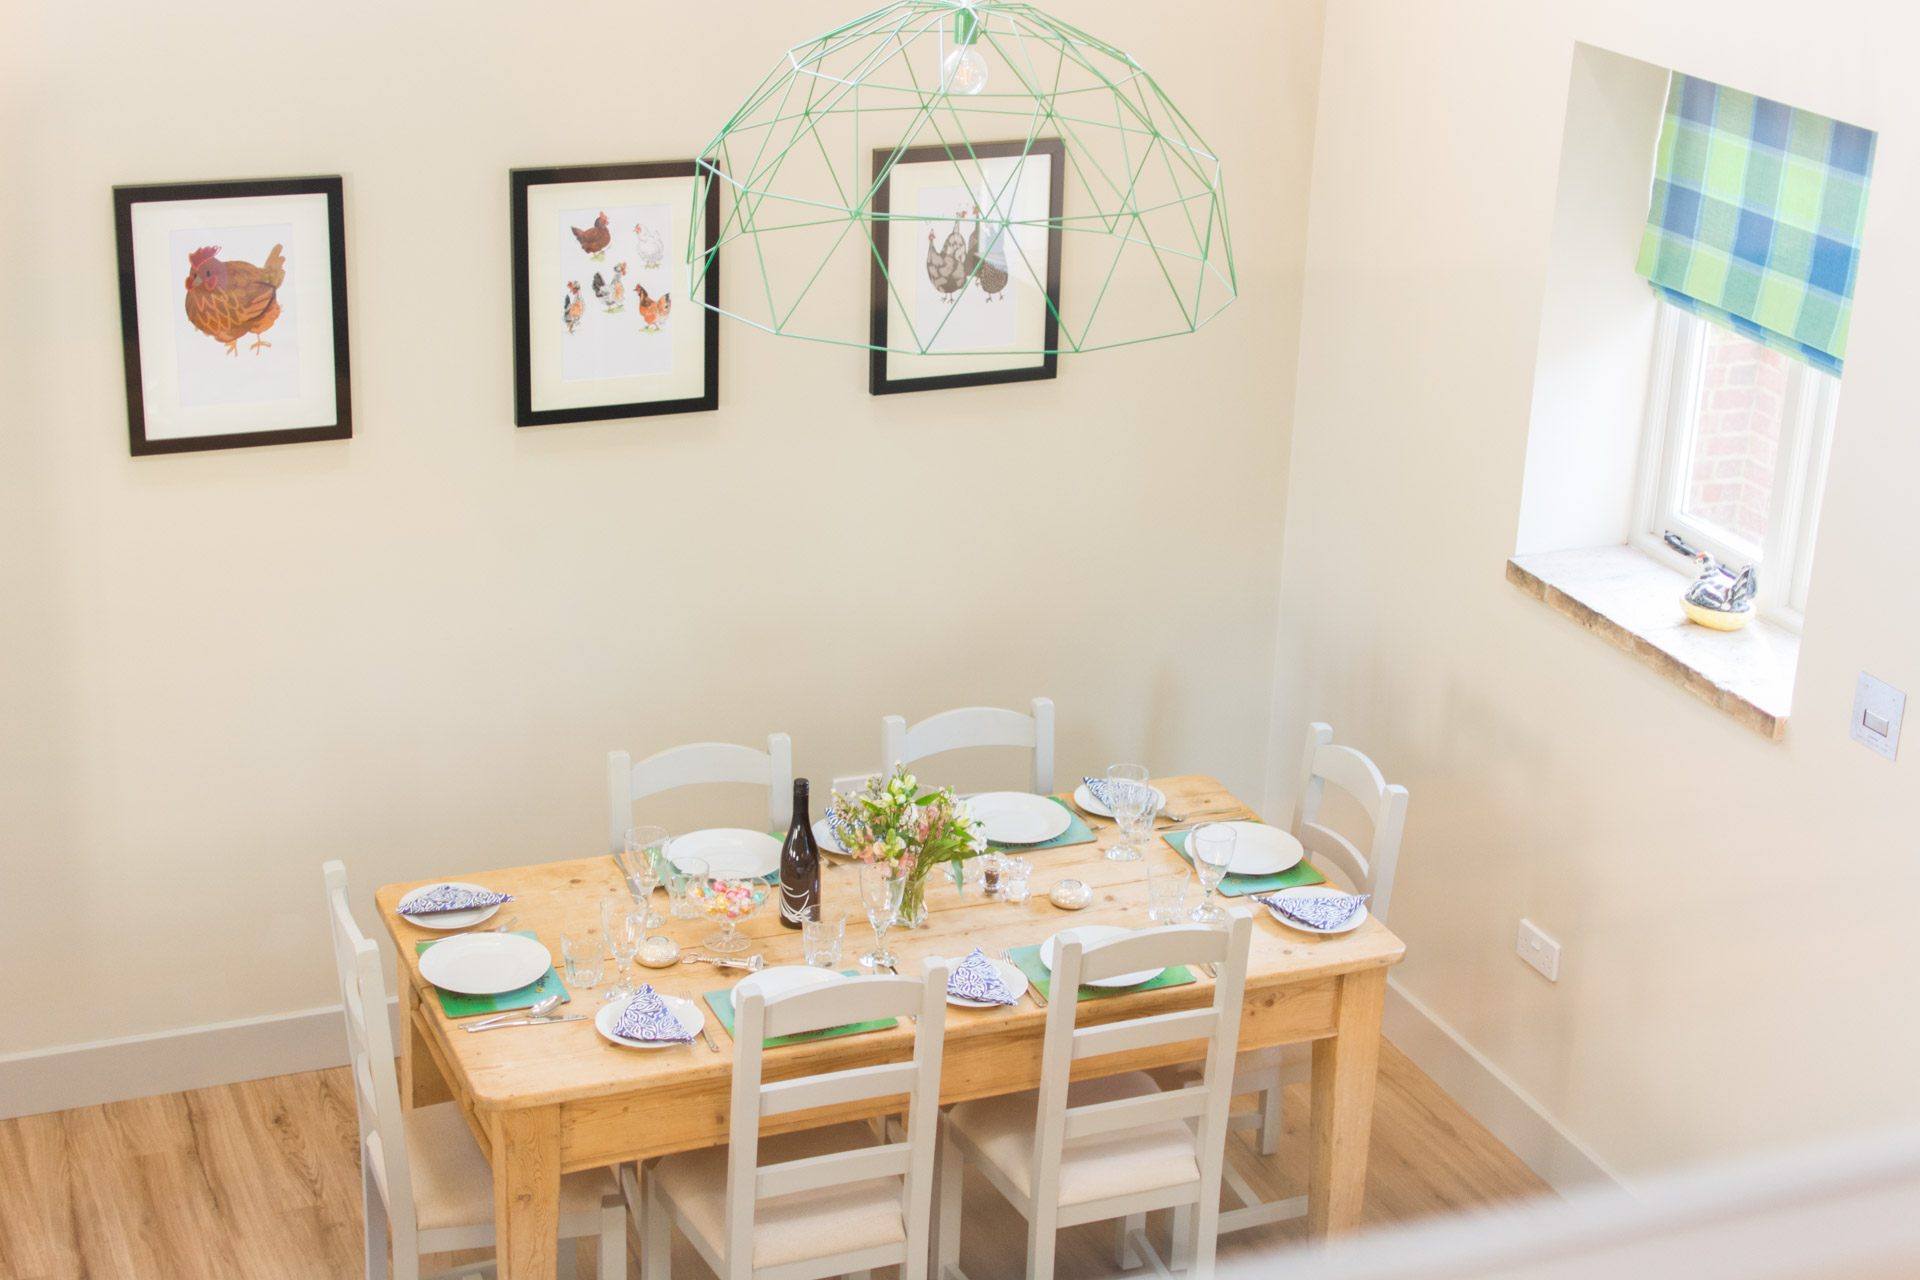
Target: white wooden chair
x: 421, y: 1172
x: 695, y: 763
x: 830, y: 1201
x: 1113, y: 1146
x: 973, y: 727
x: 1266, y: 1071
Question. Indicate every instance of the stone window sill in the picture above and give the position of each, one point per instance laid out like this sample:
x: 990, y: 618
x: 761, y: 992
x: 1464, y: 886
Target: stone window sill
x: 1632, y: 602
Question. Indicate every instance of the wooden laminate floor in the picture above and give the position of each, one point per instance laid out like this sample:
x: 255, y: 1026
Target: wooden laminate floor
x: 260, y: 1181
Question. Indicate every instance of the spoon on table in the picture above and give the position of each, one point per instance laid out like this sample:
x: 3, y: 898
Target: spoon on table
x: 755, y: 963
x: 539, y: 1009
x: 1200, y: 813
x: 499, y: 928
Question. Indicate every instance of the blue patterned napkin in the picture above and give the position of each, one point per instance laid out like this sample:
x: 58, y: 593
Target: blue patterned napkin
x: 647, y: 1017
x: 976, y: 978
x: 448, y: 897
x: 1326, y: 912
x: 1097, y: 788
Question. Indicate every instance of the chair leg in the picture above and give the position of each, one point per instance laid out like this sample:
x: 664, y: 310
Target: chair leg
x: 1040, y: 1244
x: 613, y: 1238
x: 656, y: 1239
x: 1180, y: 1238
x: 1270, y: 1119
x: 949, y: 1168
x: 373, y: 1212
x: 1125, y: 1256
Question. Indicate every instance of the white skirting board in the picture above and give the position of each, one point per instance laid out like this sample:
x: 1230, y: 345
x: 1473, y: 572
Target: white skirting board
x: 85, y: 1075
x: 1491, y: 1096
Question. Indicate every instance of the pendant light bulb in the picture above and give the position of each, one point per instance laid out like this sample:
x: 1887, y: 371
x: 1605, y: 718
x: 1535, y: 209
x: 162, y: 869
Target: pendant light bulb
x: 965, y: 71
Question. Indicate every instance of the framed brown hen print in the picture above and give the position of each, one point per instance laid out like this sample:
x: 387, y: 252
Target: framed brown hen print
x: 966, y: 265
x: 233, y: 313
x: 603, y: 325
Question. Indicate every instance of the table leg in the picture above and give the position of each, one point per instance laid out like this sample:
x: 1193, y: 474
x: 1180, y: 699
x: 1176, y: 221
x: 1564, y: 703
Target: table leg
x: 421, y: 1084
x: 1343, y: 1078
x: 526, y: 1192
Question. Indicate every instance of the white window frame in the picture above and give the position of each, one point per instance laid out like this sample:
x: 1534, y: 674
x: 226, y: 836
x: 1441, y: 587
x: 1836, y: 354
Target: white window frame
x: 1785, y: 561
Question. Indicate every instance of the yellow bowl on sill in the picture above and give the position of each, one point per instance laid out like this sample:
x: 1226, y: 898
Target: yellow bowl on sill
x: 1719, y: 620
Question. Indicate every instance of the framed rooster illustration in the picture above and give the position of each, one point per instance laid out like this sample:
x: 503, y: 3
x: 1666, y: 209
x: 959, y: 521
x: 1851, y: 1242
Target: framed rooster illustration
x: 602, y: 324
x: 966, y: 265
x: 233, y: 313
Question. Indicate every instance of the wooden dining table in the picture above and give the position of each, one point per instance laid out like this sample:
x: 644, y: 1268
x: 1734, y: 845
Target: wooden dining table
x: 547, y: 1100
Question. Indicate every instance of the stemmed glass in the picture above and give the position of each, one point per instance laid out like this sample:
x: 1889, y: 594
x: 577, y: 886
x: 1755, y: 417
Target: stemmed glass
x: 881, y: 887
x: 626, y: 930
x: 729, y: 901
x: 1131, y: 801
x: 1211, y: 845
x: 640, y: 863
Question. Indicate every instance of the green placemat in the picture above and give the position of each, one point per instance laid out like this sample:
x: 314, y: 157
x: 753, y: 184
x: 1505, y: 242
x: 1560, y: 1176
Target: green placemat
x: 1028, y: 959
x: 1077, y: 832
x: 1299, y: 873
x: 459, y: 1006
x: 721, y: 1002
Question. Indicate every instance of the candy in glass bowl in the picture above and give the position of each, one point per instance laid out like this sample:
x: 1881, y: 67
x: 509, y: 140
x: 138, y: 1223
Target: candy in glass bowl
x: 728, y: 901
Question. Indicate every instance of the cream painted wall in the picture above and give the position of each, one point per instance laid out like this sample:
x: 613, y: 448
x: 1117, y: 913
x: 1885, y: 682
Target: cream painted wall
x: 1668, y: 849
x: 412, y: 650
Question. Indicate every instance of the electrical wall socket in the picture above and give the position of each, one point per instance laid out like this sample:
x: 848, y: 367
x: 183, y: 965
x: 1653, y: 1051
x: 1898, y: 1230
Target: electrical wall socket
x: 848, y: 785
x: 1540, y: 951
x: 1877, y: 710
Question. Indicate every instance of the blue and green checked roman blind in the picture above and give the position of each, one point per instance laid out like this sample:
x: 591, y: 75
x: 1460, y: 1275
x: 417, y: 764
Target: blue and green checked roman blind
x: 1755, y: 219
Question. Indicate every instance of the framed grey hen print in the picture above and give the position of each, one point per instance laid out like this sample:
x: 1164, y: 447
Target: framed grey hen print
x: 603, y: 326
x: 233, y: 313
x: 966, y: 265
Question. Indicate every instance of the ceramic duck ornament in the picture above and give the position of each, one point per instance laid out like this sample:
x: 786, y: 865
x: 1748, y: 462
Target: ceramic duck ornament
x: 1718, y: 598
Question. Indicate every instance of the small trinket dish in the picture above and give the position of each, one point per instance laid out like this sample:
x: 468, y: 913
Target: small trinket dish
x: 1070, y: 895
x: 659, y: 952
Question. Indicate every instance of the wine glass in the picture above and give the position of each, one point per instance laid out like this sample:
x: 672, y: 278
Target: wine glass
x: 1131, y: 801
x: 881, y: 887
x: 640, y: 863
x: 729, y: 901
x: 1211, y: 845
x: 626, y: 930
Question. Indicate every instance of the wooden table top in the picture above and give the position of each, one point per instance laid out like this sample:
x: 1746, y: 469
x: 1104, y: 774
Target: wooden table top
x: 521, y: 1067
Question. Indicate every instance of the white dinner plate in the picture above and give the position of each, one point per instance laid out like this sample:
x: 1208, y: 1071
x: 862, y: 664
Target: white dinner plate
x: 779, y: 979
x: 447, y: 919
x: 1018, y: 817
x: 1316, y: 891
x: 484, y: 964
x: 685, y: 1010
x: 1089, y: 934
x: 1009, y: 973
x: 1088, y: 801
x: 1259, y: 850
x: 823, y: 836
x: 733, y: 852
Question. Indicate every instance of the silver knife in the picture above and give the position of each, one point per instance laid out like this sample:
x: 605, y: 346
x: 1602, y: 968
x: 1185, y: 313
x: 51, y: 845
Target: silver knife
x: 528, y: 1022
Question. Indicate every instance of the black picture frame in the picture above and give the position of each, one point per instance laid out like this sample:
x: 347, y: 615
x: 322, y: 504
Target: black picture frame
x: 520, y: 182
x: 125, y: 198
x: 879, y: 383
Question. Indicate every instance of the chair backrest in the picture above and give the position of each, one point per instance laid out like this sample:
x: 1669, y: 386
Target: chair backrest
x: 1218, y: 1024
x: 1385, y: 805
x: 836, y: 1004
x: 973, y: 727
x: 376, y: 1082
x: 694, y: 763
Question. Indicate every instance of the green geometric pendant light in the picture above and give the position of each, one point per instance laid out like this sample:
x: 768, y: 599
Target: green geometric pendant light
x: 1143, y: 231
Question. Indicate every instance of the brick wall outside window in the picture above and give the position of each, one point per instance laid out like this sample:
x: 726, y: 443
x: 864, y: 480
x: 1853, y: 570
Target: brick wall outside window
x: 1736, y: 435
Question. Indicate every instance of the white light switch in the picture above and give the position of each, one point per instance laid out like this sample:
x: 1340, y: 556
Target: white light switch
x: 1877, y: 708
x: 1540, y: 951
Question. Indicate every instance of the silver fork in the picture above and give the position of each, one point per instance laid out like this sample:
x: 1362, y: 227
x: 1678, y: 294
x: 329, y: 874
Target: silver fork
x: 1201, y: 813
x: 1031, y: 989
x: 499, y: 928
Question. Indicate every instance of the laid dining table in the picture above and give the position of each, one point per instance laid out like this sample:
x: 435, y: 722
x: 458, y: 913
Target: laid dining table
x: 547, y: 1100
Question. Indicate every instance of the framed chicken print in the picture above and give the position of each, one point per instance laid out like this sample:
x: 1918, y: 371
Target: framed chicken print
x: 233, y: 313
x: 966, y: 268
x: 603, y: 326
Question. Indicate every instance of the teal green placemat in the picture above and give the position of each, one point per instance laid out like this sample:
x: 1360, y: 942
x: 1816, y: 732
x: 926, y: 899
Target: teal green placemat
x: 1028, y: 959
x: 1077, y: 832
x: 1299, y: 873
x: 459, y: 1006
x: 721, y: 1002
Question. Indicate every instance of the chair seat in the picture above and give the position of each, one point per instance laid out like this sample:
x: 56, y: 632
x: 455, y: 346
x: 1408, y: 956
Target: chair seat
x: 793, y: 1228
x: 453, y: 1183
x: 1095, y: 1167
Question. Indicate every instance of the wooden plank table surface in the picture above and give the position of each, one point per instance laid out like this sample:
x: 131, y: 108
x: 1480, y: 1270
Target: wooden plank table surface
x: 543, y: 1101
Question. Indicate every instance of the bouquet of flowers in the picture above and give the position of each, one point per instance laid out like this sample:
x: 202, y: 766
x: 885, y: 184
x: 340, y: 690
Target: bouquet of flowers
x: 892, y: 822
